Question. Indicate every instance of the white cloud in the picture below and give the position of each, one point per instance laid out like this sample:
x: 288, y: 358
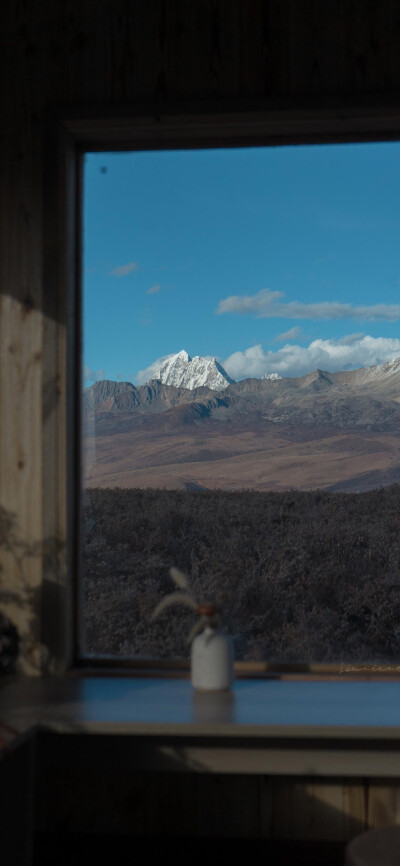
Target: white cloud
x: 123, y: 270
x: 260, y: 304
x: 350, y: 339
x: 347, y: 353
x: 143, y: 376
x: 265, y: 304
x: 252, y: 362
x: 289, y: 335
x: 153, y: 290
x: 90, y: 375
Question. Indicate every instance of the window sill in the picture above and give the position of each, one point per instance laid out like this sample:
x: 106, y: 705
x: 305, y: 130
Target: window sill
x: 298, y: 727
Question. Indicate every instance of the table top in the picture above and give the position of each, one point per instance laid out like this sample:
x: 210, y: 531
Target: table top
x: 257, y: 708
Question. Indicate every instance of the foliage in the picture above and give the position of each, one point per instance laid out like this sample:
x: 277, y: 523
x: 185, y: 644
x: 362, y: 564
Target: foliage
x: 299, y: 576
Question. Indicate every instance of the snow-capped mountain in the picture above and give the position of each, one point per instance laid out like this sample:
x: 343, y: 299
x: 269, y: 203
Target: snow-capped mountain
x: 182, y: 371
x: 162, y: 435
x: 272, y: 376
x: 379, y: 374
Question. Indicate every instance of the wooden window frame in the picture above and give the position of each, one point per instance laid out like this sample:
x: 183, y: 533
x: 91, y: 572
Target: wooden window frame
x: 68, y: 136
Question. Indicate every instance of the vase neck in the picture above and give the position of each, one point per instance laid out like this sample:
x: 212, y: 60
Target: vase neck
x: 209, y: 629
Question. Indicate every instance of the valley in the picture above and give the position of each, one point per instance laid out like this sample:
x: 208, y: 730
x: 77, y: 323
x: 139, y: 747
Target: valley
x: 333, y: 431
x: 229, y: 460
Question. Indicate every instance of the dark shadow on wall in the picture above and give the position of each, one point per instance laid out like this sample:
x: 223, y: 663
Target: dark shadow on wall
x: 34, y: 606
x: 81, y: 849
x: 91, y: 786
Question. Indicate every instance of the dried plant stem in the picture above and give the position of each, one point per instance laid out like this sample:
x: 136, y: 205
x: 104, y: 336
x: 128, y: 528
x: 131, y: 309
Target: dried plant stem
x: 174, y: 598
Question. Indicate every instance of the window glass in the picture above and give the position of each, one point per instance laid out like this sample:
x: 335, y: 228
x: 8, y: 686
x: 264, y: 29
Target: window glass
x: 241, y: 403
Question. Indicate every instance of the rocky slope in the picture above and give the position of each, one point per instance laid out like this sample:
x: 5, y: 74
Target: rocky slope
x: 329, y: 430
x: 183, y: 371
x: 368, y: 398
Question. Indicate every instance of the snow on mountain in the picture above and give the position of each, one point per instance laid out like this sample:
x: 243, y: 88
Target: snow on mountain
x: 384, y: 376
x: 372, y: 374
x: 185, y: 372
x: 271, y: 376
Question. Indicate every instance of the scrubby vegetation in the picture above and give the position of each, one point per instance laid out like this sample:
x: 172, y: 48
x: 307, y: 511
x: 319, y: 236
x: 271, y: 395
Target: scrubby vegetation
x: 299, y: 576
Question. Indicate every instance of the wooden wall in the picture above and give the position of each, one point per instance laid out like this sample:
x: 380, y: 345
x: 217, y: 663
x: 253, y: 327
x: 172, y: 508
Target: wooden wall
x: 93, y: 786
x: 116, y: 53
x: 180, y: 55
x: 83, y: 801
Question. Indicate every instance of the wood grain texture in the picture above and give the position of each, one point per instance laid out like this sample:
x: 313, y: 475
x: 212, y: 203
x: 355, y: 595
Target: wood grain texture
x: 83, y: 800
x: 282, y: 54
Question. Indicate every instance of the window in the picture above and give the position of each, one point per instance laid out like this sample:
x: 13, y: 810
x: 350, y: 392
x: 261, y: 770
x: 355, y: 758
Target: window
x: 154, y: 512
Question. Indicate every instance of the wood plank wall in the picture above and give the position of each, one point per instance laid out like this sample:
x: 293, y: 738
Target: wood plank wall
x: 202, y: 805
x: 85, y: 53
x: 93, y: 786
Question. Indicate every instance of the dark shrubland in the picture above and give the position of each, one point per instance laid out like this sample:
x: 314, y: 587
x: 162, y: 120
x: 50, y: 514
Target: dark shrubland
x: 299, y: 576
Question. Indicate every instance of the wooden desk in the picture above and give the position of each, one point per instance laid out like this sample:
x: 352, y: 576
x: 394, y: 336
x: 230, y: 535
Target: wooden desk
x: 305, y: 727
x: 306, y: 742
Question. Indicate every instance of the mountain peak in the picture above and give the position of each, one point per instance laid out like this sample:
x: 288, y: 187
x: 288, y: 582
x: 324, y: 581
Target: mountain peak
x: 185, y: 372
x: 183, y: 355
x: 272, y: 376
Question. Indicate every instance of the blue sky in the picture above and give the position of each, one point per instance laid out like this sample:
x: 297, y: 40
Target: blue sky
x: 271, y: 259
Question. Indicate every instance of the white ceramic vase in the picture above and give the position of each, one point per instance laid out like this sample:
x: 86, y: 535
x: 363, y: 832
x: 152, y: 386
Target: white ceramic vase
x: 212, y: 661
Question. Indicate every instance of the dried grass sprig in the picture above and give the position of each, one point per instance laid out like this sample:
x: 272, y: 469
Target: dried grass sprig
x: 174, y: 598
x: 208, y: 615
x: 181, y: 580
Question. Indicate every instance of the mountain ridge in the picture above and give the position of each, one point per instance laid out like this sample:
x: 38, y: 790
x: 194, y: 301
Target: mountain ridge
x: 366, y: 397
x: 337, y: 431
